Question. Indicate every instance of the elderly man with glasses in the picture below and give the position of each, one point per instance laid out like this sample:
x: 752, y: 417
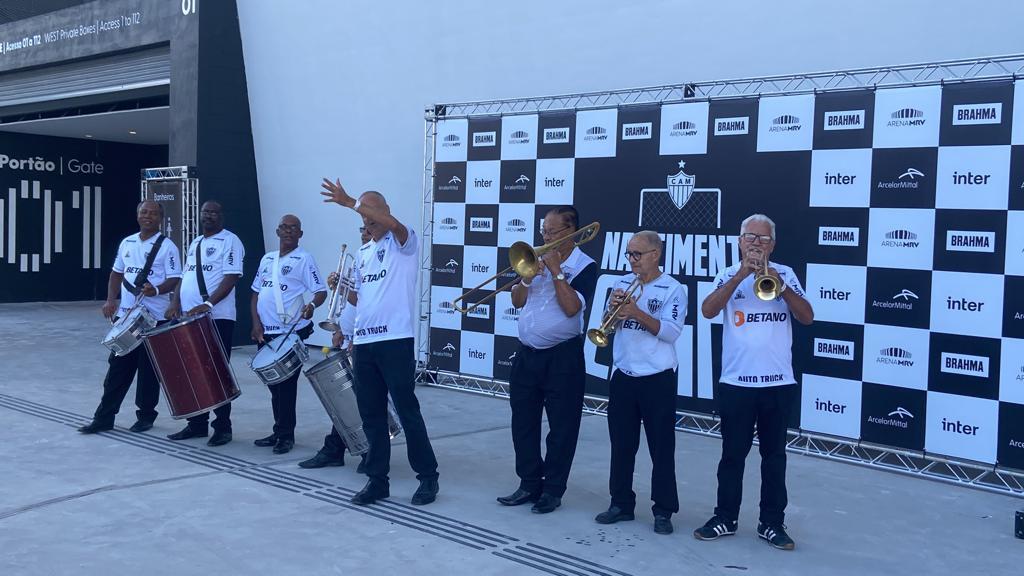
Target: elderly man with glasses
x: 548, y: 371
x: 756, y: 388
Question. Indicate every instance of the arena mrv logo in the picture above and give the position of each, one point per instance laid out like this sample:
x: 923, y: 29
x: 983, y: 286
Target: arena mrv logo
x: 484, y: 139
x: 906, y: 117
x: 900, y: 238
x: 556, y: 135
x: 481, y: 224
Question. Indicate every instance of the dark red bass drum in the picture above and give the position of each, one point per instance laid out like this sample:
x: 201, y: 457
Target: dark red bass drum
x: 190, y: 362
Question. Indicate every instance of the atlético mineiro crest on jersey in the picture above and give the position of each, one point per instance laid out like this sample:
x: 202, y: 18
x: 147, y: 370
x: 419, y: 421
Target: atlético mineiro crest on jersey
x: 380, y: 255
x: 210, y: 250
x: 286, y: 269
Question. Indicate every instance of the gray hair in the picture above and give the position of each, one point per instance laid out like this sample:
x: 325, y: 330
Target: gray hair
x: 758, y: 218
x: 652, y: 239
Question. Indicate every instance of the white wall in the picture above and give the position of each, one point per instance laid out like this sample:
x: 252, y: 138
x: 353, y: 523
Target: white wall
x: 337, y: 88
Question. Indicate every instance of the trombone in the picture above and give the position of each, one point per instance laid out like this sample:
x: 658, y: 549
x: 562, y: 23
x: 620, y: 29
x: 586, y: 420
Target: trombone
x: 525, y: 261
x: 601, y: 335
x: 765, y: 285
x: 339, y: 297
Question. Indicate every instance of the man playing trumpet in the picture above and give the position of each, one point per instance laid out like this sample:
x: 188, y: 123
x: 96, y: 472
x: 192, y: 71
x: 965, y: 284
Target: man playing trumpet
x: 648, y: 308
x: 757, y: 387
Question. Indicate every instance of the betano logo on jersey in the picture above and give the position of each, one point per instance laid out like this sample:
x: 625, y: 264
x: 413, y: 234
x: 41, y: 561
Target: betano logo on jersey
x: 740, y: 318
x: 906, y: 117
x: 785, y: 123
x: 484, y: 139
x: 974, y: 114
x: 844, y: 120
x: 970, y: 241
x: 838, y: 236
x: 556, y: 135
x: 732, y: 126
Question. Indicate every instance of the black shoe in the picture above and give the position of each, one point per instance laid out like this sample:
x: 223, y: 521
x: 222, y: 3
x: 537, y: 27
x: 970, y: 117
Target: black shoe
x: 284, y: 446
x: 189, y: 432
x: 518, y: 498
x: 322, y: 459
x: 662, y: 525
x: 546, y: 503
x: 361, y: 469
x: 612, y: 515
x: 140, y: 426
x: 426, y: 493
x: 266, y: 442
x: 370, y: 493
x: 776, y: 535
x: 715, y: 528
x: 95, y: 427
x: 219, y: 438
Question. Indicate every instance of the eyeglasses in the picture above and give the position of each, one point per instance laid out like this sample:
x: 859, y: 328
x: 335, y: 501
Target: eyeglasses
x: 362, y: 229
x: 547, y: 233
x: 291, y: 227
x: 633, y: 255
x: 751, y: 237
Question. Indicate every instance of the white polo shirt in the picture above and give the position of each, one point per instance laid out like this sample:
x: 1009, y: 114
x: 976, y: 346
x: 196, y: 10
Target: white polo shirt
x: 298, y: 274
x: 131, y: 258
x: 222, y: 256
x: 386, y: 274
x: 637, y: 352
x: 757, y: 336
x: 542, y: 323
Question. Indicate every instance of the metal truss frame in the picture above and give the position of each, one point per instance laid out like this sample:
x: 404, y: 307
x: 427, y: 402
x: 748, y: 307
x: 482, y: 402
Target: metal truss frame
x: 920, y: 464
x: 188, y: 177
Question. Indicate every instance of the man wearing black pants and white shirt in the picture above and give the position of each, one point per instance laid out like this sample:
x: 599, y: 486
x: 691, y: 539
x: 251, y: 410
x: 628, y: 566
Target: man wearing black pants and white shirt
x: 274, y: 314
x: 385, y: 356
x: 643, y: 385
x: 757, y: 387
x: 213, y: 266
x: 130, y: 277
x: 548, y: 372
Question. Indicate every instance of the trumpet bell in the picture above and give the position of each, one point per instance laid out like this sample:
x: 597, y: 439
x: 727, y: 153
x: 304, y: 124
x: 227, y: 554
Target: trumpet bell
x: 766, y: 288
x: 329, y: 326
x: 598, y: 337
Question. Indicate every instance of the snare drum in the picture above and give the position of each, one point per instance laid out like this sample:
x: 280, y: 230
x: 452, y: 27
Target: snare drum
x: 192, y: 366
x: 278, y: 359
x: 332, y: 379
x: 127, y: 333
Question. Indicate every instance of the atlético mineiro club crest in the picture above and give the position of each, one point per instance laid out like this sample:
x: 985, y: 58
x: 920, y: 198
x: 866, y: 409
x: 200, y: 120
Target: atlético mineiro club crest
x: 680, y: 204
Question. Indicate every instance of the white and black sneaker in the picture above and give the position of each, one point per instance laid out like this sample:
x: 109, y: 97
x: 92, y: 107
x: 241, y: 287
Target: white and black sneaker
x: 776, y: 536
x: 715, y: 528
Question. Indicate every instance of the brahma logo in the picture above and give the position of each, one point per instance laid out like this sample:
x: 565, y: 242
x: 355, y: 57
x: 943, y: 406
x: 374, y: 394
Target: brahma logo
x: 732, y: 126
x: 481, y: 224
x: 906, y: 117
x: 556, y: 135
x: 519, y: 137
x: 900, y: 301
x: 596, y: 133
x: 844, y: 120
x: 636, y: 131
x: 895, y: 356
x: 515, y: 225
x: 482, y: 312
x: 964, y: 364
x: 835, y: 349
x: 484, y: 139
x: 896, y: 419
x: 683, y: 128
x: 833, y: 236
x: 965, y: 241
x: 785, y: 123
x: 900, y: 238
x: 451, y: 141
x: 973, y: 114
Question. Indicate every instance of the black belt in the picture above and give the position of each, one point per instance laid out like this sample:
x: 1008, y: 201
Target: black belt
x: 573, y: 340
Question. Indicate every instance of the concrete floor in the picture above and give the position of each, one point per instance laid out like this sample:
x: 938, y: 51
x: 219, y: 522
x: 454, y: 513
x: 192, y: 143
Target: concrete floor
x: 123, y: 503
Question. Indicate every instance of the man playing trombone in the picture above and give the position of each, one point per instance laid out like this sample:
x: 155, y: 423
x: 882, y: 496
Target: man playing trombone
x: 548, y: 371
x: 648, y: 309
x: 757, y: 387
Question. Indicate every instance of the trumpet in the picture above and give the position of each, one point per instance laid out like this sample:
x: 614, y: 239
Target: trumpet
x: 601, y: 335
x: 339, y: 297
x: 525, y: 261
x: 766, y: 286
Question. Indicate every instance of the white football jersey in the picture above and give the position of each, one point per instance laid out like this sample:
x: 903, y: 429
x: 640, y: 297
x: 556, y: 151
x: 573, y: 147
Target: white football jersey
x: 386, y: 274
x: 636, y: 351
x: 131, y: 259
x: 757, y: 336
x: 298, y: 274
x: 222, y: 256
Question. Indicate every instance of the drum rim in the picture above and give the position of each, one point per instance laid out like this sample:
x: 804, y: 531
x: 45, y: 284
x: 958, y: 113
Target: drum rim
x: 321, y: 365
x: 184, y: 320
x: 210, y: 409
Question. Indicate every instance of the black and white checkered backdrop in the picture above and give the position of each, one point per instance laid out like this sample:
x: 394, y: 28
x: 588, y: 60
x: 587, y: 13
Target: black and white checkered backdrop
x: 901, y: 210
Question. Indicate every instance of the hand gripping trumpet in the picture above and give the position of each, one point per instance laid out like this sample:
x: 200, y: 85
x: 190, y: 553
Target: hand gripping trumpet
x: 601, y: 335
x: 339, y: 297
x: 766, y: 286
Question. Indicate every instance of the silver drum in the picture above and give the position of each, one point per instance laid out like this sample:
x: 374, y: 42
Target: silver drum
x: 332, y: 379
x: 128, y: 332
x: 279, y: 359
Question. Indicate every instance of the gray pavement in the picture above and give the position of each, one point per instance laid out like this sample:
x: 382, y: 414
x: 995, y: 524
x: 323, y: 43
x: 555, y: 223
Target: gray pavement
x: 124, y: 503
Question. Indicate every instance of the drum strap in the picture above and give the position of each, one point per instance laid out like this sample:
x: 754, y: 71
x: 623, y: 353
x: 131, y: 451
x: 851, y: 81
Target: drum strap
x: 200, y: 275
x: 286, y: 317
x: 140, y: 278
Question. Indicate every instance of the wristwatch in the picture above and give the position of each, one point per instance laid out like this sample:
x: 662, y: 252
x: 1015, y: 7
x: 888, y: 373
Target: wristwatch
x: 560, y: 276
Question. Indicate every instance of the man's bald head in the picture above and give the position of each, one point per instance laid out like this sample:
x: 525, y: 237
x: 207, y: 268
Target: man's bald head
x: 373, y: 198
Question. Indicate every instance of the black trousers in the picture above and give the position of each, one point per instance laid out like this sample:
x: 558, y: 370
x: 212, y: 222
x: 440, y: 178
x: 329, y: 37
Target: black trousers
x: 383, y: 368
x: 120, y: 373
x: 742, y: 408
x: 226, y: 330
x: 552, y: 381
x: 334, y: 444
x: 283, y: 394
x: 650, y: 400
